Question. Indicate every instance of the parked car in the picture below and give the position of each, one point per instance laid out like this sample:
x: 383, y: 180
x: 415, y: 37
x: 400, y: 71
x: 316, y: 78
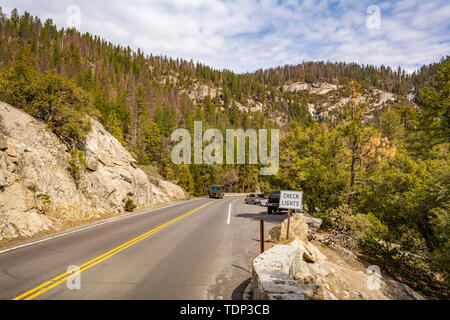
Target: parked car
x: 254, y: 198
x: 273, y: 202
x: 263, y: 202
x: 216, y: 192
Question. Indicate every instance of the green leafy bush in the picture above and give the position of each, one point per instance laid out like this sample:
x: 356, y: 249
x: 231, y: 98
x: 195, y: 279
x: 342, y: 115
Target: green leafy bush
x: 366, y: 226
x: 77, y: 163
x: 441, y: 226
x: 52, y: 98
x: 46, y: 199
x: 330, y: 218
x: 129, y: 205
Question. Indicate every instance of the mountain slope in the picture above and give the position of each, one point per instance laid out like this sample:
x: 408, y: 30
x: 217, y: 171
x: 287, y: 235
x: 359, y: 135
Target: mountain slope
x: 142, y: 98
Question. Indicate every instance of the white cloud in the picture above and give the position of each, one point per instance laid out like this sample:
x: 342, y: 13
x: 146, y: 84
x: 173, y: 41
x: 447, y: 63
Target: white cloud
x: 244, y: 35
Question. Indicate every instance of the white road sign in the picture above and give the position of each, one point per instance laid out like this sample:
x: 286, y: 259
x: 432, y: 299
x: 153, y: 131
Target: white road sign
x: 291, y: 200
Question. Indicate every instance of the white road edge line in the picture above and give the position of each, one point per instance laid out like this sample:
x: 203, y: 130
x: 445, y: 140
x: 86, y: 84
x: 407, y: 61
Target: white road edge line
x: 93, y: 226
x: 229, y: 213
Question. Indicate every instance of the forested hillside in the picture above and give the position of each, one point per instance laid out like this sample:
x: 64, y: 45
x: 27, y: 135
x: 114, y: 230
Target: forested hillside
x: 370, y: 152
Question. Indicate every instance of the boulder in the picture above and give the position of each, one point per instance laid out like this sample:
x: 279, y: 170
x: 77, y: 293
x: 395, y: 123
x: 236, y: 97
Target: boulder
x: 298, y: 228
x: 274, y: 234
x: 313, y: 223
x: 271, y: 277
x: 285, y: 272
x: 308, y: 254
x: 295, y: 270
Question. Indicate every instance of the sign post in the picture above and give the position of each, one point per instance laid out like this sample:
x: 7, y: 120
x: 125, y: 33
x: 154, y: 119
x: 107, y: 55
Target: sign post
x: 291, y: 200
x: 261, y: 235
x: 289, y: 223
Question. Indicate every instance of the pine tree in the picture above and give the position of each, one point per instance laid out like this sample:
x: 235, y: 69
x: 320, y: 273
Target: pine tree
x: 184, y: 177
x: 356, y: 133
x: 151, y: 143
x: 112, y: 124
x: 433, y: 121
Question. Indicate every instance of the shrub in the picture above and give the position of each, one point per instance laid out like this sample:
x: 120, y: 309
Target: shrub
x: 54, y: 99
x: 152, y: 173
x: 366, y: 226
x: 77, y: 163
x: 129, y: 205
x: 46, y: 199
x: 441, y: 226
x: 415, y: 270
x: 329, y: 218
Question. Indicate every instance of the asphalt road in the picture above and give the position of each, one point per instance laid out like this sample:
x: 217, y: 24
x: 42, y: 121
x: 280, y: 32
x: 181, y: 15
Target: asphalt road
x: 200, y: 249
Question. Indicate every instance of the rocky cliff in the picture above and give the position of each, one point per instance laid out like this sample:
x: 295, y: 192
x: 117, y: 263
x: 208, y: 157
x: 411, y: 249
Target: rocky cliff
x: 324, y: 100
x: 38, y: 191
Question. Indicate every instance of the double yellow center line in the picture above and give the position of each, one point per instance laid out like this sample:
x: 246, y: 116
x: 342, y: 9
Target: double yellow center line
x: 33, y: 293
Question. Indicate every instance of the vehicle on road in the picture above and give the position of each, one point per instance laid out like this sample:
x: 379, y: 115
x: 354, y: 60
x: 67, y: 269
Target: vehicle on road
x: 263, y: 203
x: 254, y: 198
x: 216, y: 192
x: 273, y: 202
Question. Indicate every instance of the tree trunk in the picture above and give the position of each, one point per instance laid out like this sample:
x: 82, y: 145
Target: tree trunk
x: 352, y: 173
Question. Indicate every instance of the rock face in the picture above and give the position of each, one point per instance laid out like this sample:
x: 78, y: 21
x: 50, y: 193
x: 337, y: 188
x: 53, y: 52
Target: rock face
x: 316, y: 88
x: 37, y: 191
x: 172, y: 190
x: 200, y: 91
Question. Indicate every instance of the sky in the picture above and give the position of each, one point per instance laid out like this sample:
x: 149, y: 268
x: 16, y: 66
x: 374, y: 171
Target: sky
x: 246, y: 35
